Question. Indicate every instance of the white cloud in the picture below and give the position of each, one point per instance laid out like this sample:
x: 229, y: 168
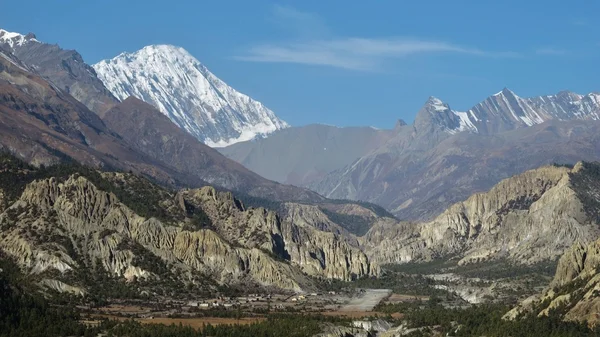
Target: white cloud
x: 314, y: 44
x: 350, y: 53
x: 306, y: 54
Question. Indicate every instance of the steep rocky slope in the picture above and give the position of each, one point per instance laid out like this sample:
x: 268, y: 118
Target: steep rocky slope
x: 528, y: 218
x: 182, y: 88
x: 42, y: 124
x: 302, y: 155
x: 67, y: 220
x: 574, y: 291
x: 64, y: 68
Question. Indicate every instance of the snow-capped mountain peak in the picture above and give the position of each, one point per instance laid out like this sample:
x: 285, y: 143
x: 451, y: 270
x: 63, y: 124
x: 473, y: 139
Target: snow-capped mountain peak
x: 437, y: 114
x: 436, y: 104
x: 15, y: 39
x: 505, y: 110
x: 182, y: 88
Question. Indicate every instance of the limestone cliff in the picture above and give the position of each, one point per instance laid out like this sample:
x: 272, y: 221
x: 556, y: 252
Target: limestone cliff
x: 528, y: 218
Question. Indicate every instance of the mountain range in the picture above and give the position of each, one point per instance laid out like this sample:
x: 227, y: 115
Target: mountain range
x: 416, y: 171
x: 113, y: 176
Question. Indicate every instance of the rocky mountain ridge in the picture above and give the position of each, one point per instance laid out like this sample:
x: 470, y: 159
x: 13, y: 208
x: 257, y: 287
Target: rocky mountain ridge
x: 43, y: 124
x: 506, y: 111
x: 416, y: 171
x: 150, y: 132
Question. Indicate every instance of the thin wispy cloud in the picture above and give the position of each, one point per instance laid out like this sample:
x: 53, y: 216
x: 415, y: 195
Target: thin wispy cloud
x: 354, y: 53
x: 315, y: 44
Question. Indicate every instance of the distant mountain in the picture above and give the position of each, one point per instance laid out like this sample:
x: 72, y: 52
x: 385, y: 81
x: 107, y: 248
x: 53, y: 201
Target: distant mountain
x: 447, y: 155
x: 302, y: 155
x: 182, y: 88
x: 506, y: 111
x: 150, y: 132
x: 64, y: 68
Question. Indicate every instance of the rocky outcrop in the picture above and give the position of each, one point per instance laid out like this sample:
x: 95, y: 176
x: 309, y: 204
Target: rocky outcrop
x: 529, y: 218
x: 574, y: 290
x: 80, y: 212
x: 69, y: 224
x: 304, y: 235
x: 331, y: 330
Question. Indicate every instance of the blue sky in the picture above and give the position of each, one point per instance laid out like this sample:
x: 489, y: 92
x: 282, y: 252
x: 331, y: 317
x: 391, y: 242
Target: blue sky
x: 344, y: 62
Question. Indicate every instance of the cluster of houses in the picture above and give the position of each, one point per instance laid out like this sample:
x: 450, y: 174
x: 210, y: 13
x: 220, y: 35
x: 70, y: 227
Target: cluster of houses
x: 228, y: 302
x: 303, y: 297
x: 250, y: 300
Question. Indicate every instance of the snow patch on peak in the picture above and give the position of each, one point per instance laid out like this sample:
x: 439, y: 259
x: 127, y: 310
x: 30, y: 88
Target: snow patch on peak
x: 437, y: 104
x: 15, y: 39
x: 183, y: 89
x: 465, y: 122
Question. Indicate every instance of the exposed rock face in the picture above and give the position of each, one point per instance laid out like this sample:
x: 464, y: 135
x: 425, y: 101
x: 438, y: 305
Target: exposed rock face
x: 529, y: 218
x: 574, y: 290
x: 66, y: 224
x: 82, y: 213
x: 331, y: 330
x: 307, y: 238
